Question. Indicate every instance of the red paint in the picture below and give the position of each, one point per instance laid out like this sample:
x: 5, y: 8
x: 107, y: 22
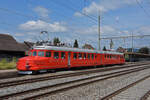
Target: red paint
x: 32, y: 63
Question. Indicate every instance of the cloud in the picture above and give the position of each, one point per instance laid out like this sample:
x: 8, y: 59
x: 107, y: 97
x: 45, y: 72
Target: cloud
x: 106, y: 5
x: 42, y: 12
x: 42, y: 25
x: 106, y: 30
x: 19, y: 34
x: 143, y: 30
x: 78, y: 14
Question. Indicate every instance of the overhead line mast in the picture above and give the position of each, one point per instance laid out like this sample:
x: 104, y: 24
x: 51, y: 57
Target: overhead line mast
x: 99, y: 39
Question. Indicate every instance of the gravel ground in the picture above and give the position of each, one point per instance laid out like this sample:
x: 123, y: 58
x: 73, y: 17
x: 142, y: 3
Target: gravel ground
x: 29, y: 86
x: 97, y: 90
x: 135, y: 92
x: 49, y: 74
x: 82, y: 94
x: 20, y: 88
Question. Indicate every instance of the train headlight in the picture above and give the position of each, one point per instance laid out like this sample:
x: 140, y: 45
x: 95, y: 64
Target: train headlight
x: 27, y: 65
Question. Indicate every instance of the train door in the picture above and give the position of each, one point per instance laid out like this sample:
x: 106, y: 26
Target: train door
x: 101, y: 58
x: 69, y: 57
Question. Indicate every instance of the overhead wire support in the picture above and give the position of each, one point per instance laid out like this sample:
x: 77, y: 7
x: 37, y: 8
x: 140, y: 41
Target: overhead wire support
x: 99, y: 39
x: 138, y: 36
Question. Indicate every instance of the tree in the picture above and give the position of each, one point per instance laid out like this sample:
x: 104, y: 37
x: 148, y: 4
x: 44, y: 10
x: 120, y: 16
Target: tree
x: 56, y: 41
x: 111, y: 44
x: 104, y: 48
x: 75, y: 44
x: 144, y: 50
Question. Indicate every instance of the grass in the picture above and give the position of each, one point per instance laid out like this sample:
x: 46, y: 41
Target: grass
x: 4, y: 64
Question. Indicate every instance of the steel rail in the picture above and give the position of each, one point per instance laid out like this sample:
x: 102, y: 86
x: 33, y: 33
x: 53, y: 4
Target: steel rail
x: 82, y: 84
x: 106, y: 76
x: 20, y: 82
x: 146, y: 96
x: 108, y: 97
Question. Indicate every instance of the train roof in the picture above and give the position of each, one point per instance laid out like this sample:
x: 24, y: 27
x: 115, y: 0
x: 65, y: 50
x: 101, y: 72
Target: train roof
x: 74, y: 50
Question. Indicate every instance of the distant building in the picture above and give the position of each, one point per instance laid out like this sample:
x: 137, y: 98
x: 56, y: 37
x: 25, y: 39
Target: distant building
x: 10, y: 48
x: 87, y: 46
x: 122, y: 50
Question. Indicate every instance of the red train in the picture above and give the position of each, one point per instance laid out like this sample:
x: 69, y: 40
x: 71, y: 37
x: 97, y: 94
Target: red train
x: 43, y: 58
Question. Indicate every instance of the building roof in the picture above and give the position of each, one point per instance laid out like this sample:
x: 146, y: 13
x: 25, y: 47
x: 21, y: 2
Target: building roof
x: 8, y: 43
x: 88, y: 46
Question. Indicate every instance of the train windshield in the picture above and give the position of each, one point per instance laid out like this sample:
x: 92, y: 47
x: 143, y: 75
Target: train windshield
x: 41, y: 53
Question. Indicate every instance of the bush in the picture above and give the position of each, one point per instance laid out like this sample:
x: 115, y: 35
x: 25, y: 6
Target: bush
x: 4, y: 64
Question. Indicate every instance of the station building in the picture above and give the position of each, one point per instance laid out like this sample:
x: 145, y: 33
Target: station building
x: 10, y: 48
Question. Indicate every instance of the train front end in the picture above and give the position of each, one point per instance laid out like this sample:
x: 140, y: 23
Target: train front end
x: 31, y: 63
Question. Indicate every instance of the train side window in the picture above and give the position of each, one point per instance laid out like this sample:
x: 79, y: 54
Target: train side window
x: 30, y: 53
x: 95, y: 56
x: 110, y: 56
x: 56, y: 55
x: 62, y: 55
x: 34, y: 53
x: 41, y: 53
x: 75, y: 55
x: 107, y: 56
x: 88, y: 56
x: 92, y: 56
x: 84, y: 55
x: 80, y: 55
x: 48, y: 54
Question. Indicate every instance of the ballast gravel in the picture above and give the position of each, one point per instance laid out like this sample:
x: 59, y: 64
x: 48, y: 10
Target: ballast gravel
x: 24, y: 87
x: 22, y: 77
x: 98, y: 90
x: 90, y: 92
x: 135, y: 92
x: 29, y: 86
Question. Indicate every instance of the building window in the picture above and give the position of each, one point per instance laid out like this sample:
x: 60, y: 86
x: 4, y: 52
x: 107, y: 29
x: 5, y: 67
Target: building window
x: 48, y: 54
x: 75, y: 55
x: 56, y: 55
x: 62, y: 55
x: 41, y: 53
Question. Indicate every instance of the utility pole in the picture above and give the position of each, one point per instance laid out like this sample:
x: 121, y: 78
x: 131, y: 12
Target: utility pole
x: 99, y: 39
x: 132, y: 41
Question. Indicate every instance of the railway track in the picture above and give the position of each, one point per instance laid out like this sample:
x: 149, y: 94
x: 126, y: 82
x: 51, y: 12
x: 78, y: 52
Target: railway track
x: 146, y: 96
x: 110, y: 96
x: 76, y: 83
x: 25, y: 81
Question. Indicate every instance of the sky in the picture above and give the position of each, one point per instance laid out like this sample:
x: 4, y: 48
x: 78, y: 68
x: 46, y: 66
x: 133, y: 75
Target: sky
x: 77, y: 19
